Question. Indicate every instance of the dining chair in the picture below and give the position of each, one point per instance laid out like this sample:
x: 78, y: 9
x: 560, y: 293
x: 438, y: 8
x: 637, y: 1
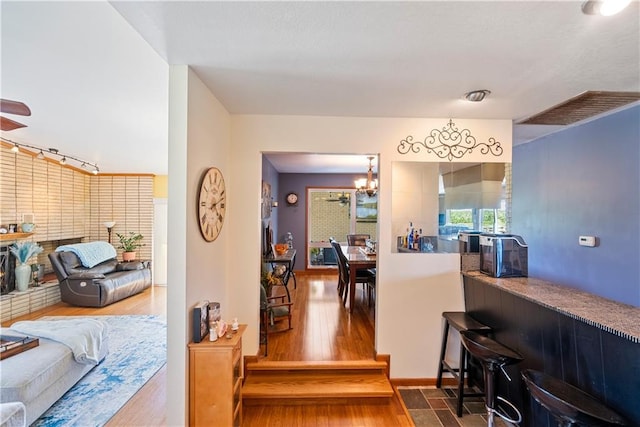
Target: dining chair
x: 357, y: 239
x: 343, y: 275
x: 363, y: 275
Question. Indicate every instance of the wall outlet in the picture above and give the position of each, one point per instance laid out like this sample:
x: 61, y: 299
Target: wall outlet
x: 589, y: 241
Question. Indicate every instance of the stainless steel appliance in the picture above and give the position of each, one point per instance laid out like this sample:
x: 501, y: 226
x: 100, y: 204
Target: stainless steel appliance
x: 469, y: 242
x: 503, y: 255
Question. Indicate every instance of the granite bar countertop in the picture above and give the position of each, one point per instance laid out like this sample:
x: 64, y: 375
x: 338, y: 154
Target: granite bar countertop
x: 618, y: 318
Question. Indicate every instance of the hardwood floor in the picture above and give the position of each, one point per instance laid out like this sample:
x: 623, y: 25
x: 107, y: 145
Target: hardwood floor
x: 147, y: 407
x: 322, y: 330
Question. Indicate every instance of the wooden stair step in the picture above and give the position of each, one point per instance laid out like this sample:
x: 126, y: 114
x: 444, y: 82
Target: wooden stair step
x: 316, y: 365
x: 312, y: 382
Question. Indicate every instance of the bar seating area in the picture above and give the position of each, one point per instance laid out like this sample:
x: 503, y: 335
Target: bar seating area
x: 564, y: 377
x: 460, y: 321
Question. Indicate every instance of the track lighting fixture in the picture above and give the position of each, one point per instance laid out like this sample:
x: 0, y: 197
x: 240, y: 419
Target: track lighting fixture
x: 52, y: 153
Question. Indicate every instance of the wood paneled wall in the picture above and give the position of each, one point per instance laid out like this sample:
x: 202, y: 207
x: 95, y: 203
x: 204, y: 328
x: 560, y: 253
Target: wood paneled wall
x: 69, y: 203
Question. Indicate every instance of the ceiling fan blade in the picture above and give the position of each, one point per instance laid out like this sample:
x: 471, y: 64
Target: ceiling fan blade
x: 14, y: 107
x: 8, y: 124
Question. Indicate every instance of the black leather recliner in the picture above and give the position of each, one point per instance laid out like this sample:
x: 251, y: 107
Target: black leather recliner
x: 101, y: 285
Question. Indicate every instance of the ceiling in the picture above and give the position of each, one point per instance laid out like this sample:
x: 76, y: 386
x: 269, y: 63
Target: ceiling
x: 95, y: 74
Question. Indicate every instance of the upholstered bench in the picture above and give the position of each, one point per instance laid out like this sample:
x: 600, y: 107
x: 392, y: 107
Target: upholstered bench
x: 38, y: 377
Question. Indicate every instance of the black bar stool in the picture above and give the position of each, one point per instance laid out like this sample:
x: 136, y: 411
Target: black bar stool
x: 494, y: 357
x: 460, y: 321
x: 569, y: 405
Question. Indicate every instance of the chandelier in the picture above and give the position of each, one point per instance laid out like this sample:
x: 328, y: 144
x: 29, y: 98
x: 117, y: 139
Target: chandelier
x: 368, y: 185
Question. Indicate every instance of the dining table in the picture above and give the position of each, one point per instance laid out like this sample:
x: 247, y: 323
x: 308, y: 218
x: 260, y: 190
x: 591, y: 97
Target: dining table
x: 358, y: 257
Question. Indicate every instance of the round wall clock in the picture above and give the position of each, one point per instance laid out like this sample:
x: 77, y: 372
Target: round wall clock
x: 292, y: 198
x: 211, y: 204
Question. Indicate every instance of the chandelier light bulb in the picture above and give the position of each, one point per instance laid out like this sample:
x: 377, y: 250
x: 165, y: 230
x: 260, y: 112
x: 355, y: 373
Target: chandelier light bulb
x: 15, y: 148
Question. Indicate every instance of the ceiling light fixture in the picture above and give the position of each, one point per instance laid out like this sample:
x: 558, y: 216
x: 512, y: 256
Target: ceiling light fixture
x: 368, y: 185
x: 604, y: 7
x: 51, y: 153
x: 476, y: 95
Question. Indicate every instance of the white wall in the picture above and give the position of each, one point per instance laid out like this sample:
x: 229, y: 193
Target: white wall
x: 199, y: 137
x: 160, y: 225
x: 413, y: 289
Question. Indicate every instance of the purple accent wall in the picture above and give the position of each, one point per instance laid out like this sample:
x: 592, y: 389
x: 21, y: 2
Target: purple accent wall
x: 270, y: 175
x: 583, y: 181
x: 293, y: 218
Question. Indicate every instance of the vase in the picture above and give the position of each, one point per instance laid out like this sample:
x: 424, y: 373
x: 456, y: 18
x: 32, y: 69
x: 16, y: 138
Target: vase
x: 128, y: 256
x: 23, y: 277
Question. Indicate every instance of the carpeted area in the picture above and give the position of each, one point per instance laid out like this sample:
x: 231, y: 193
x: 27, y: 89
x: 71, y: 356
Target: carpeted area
x: 137, y: 349
x: 436, y: 407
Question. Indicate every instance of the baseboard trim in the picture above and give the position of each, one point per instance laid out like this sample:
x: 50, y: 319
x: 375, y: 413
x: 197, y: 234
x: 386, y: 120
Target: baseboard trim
x: 422, y: 382
x: 387, y: 359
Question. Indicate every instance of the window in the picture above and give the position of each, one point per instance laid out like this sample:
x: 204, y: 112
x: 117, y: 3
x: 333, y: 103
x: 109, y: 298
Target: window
x: 332, y: 213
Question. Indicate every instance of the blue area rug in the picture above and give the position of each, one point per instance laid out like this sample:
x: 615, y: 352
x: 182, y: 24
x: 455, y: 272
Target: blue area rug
x: 137, y: 349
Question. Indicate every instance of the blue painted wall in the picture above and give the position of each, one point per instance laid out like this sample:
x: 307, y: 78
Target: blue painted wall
x: 293, y: 218
x: 583, y: 181
x: 270, y: 175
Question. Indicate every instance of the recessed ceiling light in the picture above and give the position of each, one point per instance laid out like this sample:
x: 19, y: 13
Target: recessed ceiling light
x: 476, y: 95
x: 604, y: 7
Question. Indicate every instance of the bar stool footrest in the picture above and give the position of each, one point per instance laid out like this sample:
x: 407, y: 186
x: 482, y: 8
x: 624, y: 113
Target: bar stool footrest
x: 503, y: 414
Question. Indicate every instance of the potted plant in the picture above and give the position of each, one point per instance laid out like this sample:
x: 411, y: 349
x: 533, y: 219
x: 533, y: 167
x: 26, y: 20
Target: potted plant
x: 23, y: 251
x: 129, y: 243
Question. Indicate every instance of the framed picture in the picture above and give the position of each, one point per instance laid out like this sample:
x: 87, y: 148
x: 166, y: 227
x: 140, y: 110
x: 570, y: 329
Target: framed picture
x: 200, y: 318
x: 366, y: 208
x: 266, y: 200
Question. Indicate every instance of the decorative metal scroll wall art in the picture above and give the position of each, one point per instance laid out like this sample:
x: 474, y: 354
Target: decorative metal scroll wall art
x: 450, y: 143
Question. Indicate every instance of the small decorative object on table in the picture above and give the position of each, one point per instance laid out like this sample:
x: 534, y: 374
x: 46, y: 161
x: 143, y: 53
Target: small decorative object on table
x: 200, y: 321
x: 280, y: 248
x: 27, y: 227
x: 23, y: 251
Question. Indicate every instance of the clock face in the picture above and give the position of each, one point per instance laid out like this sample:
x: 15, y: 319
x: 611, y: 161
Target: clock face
x: 292, y: 198
x: 211, y: 204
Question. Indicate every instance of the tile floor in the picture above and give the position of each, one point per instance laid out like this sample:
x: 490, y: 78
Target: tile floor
x: 435, y: 407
